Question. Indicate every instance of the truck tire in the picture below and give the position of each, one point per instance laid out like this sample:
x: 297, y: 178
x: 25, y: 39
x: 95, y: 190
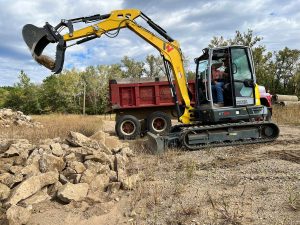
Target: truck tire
x: 128, y: 127
x: 159, y: 123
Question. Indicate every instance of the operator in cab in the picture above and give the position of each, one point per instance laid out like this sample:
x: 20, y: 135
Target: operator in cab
x: 219, y: 73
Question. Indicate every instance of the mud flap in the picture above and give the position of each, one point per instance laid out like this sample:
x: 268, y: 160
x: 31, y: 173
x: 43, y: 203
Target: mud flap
x: 156, y: 144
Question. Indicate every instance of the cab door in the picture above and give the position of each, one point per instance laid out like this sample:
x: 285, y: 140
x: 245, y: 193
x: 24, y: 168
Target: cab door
x: 243, y: 82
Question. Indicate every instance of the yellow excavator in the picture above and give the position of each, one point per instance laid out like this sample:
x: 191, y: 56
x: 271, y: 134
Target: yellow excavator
x: 241, y: 119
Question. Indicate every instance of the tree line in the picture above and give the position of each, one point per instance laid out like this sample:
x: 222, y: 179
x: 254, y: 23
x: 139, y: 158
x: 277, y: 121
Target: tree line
x: 278, y: 71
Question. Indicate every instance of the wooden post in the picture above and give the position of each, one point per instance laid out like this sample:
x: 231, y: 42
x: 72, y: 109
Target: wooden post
x: 84, y: 90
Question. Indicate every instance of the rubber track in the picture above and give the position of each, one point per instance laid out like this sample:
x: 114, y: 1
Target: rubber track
x: 187, y: 128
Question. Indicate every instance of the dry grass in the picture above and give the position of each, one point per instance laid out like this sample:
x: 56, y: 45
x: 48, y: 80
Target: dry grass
x: 55, y: 125
x: 294, y: 199
x: 225, y: 211
x: 286, y: 114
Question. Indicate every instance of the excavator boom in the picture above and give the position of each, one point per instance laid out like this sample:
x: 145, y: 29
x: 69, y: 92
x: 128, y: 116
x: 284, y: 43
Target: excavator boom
x: 38, y: 38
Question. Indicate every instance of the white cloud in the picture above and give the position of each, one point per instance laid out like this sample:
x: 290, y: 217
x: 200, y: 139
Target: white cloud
x: 192, y: 23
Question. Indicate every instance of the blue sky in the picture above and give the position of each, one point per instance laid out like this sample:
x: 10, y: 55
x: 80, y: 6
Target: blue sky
x: 193, y: 23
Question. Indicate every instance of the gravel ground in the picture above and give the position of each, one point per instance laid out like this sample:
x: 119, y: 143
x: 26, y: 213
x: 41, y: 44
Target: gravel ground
x: 250, y: 184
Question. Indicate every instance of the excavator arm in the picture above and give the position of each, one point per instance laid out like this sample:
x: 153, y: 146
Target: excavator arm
x: 38, y: 38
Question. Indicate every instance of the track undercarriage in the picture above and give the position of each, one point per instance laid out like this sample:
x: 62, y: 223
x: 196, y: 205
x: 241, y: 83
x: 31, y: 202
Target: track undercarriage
x: 193, y: 137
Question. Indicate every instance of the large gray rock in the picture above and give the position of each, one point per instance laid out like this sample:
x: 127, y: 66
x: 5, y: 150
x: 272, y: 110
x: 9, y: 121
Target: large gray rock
x: 81, y: 151
x: 49, y: 162
x: 70, y: 157
x: 79, y: 140
x: 6, y: 164
x: 17, y: 215
x: 38, y: 197
x: 19, y: 151
x: 69, y: 192
x: 96, y: 167
x: 4, y: 145
x: 9, y: 179
x: 87, y: 176
x: 32, y: 185
x: 15, y: 169
x: 57, y: 149
x: 99, y: 182
x: 99, y: 136
x: 4, y: 192
x: 12, y: 151
x: 20, y: 147
x: 30, y: 170
x: 100, y: 157
x: 77, y: 166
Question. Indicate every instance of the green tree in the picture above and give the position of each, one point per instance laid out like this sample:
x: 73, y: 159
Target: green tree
x: 246, y: 38
x: 96, y: 79
x: 24, y: 96
x: 60, y: 92
x: 264, y: 68
x: 287, y: 66
x: 51, y: 100
x: 4, y: 92
x: 154, y: 66
x: 132, y: 68
x: 295, y: 83
x: 106, y: 73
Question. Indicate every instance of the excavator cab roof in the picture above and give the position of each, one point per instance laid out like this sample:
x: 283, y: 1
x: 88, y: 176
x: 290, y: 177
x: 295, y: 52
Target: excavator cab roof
x: 218, y: 52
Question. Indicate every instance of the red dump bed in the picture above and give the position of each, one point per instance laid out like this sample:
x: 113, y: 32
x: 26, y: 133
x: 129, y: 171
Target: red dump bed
x: 125, y: 95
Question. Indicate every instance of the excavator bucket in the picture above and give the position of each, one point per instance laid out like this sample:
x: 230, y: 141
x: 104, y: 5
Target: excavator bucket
x: 37, y: 38
x: 156, y: 144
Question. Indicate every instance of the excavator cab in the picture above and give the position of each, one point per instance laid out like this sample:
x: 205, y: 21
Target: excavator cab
x: 227, y: 74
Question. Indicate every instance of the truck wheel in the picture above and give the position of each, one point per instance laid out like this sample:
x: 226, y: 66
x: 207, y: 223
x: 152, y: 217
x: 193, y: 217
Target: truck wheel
x: 128, y: 127
x: 159, y: 123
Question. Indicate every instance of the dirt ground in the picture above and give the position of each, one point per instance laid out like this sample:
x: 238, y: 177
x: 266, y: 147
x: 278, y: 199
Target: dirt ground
x: 251, y: 184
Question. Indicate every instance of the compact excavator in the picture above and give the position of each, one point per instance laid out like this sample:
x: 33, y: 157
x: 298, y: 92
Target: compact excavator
x: 242, y: 119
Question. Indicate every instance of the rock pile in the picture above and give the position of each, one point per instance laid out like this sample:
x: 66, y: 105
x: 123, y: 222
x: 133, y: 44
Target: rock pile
x: 9, y: 118
x: 76, y: 169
